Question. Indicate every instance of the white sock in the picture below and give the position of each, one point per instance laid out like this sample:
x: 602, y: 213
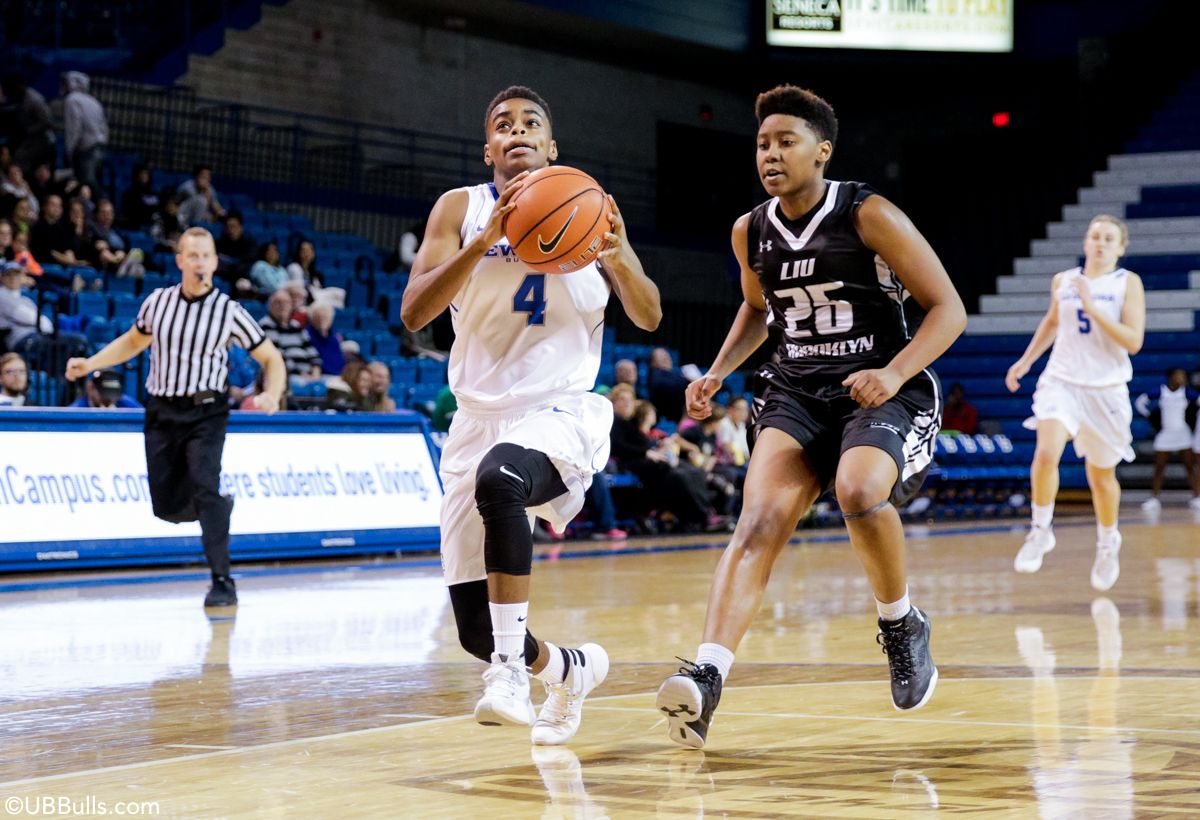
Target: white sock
x: 1106, y: 535
x: 1042, y: 516
x: 895, y: 610
x: 556, y: 667
x: 508, y: 628
x: 716, y: 655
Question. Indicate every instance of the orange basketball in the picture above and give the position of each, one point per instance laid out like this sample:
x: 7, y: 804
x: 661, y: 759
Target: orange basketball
x: 559, y: 221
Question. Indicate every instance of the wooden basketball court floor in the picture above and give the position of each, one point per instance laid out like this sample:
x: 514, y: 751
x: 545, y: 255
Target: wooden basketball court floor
x: 340, y: 691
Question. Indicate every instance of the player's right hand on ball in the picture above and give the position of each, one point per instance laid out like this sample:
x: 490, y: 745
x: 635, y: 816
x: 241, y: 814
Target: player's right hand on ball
x: 1013, y: 380
x: 699, y: 396
x: 494, y: 229
x: 76, y: 368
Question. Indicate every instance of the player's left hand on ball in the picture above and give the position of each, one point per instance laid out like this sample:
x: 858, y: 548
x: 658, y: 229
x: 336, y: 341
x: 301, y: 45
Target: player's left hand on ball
x: 871, y: 388
x: 267, y: 403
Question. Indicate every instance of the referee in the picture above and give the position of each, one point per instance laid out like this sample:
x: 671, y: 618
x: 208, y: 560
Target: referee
x: 189, y: 328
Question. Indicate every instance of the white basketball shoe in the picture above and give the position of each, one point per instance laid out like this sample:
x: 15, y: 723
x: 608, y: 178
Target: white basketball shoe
x: 1107, y: 567
x: 505, y: 698
x: 558, y: 721
x: 1039, y: 542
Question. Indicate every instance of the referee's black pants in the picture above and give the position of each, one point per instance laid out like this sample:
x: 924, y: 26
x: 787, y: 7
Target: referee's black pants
x: 184, y: 442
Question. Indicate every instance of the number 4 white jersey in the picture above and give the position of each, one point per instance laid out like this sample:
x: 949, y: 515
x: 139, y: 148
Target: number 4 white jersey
x: 1083, y: 354
x: 522, y: 338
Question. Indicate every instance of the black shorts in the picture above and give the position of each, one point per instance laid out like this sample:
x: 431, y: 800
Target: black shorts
x: 826, y: 422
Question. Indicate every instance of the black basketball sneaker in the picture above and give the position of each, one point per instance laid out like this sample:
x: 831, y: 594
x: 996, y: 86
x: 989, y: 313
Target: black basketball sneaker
x: 688, y: 699
x: 906, y: 643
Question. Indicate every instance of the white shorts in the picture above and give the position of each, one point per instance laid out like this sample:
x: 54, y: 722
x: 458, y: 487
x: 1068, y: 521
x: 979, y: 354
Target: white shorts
x: 1172, y: 441
x: 574, y: 433
x: 1097, y: 418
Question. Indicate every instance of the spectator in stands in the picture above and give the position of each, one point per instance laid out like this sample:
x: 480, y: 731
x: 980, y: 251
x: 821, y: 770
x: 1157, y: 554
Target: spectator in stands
x: 406, y: 249
x: 140, y: 202
x: 959, y: 414
x: 105, y: 389
x: 42, y: 183
x: 303, y: 268
x: 109, y: 248
x: 321, y: 336
x: 665, y: 385
x: 670, y: 488
x: 6, y: 240
x: 71, y: 244
x: 236, y: 248
x: 267, y: 274
x: 381, y: 383
x: 22, y: 218
x: 302, y: 360
x: 86, y: 129
x: 198, y: 198
x: 18, y: 312
x: 14, y: 380
x: 699, y: 442
x: 444, y: 408
x: 14, y: 185
x: 22, y: 256
x: 32, y: 138
x: 45, y: 229
x: 626, y: 372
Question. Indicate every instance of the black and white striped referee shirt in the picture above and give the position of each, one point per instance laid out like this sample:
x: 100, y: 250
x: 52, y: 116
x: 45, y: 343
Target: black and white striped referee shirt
x: 189, y: 353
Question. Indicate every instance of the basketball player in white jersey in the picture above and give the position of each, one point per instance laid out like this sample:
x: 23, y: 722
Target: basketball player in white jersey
x: 529, y: 433
x: 1097, y: 318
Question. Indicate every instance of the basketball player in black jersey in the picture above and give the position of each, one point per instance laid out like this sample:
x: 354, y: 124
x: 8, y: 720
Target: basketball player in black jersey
x: 849, y: 402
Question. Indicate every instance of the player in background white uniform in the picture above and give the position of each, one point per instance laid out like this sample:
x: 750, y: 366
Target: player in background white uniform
x: 1097, y: 318
x: 528, y: 434
x: 1176, y: 403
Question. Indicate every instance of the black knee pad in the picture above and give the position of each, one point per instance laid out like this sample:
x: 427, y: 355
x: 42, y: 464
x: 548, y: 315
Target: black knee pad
x: 509, y: 479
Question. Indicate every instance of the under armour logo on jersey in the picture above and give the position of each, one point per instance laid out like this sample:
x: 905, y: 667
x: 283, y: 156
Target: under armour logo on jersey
x: 764, y: 247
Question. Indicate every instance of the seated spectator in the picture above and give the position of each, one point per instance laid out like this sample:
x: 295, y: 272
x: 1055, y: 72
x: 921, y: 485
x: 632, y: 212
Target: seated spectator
x: 14, y: 186
x: 71, y: 244
x: 670, y: 488
x: 352, y: 389
x: 381, y: 382
x: 626, y: 372
x: 21, y: 217
x: 604, y: 514
x: 105, y: 389
x: 19, y: 313
x: 22, y: 256
x: 243, y: 370
x: 267, y: 274
x: 43, y: 183
x: 302, y: 360
x: 32, y: 136
x: 665, y: 386
x: 959, y: 415
x: 140, y: 202
x: 109, y: 249
x: 44, y: 230
x: 303, y: 268
x: 198, y: 198
x: 167, y: 228
x: 236, y: 248
x: 444, y: 408
x: 14, y: 380
x: 327, y: 343
x: 6, y: 238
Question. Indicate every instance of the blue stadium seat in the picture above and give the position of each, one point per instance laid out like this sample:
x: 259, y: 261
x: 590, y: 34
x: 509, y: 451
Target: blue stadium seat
x: 100, y: 331
x: 431, y: 371
x: 92, y: 303
x: 403, y: 370
x: 385, y: 345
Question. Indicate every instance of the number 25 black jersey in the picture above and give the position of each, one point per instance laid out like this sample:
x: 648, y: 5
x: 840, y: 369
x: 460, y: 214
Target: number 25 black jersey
x: 835, y: 305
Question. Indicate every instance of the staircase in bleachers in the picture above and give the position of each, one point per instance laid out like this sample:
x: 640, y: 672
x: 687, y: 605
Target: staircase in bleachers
x: 1155, y: 187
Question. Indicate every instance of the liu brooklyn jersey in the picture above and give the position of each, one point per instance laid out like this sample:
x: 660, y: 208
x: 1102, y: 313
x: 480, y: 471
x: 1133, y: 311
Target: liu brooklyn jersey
x: 1083, y: 354
x: 833, y: 303
x: 522, y: 338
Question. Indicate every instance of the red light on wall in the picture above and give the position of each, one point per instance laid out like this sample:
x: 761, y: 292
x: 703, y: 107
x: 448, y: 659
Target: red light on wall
x: 1000, y: 119
x: 706, y: 113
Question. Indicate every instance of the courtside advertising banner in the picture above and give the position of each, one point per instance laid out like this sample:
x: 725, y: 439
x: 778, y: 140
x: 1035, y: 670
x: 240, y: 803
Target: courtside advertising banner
x: 68, y: 488
x: 909, y: 25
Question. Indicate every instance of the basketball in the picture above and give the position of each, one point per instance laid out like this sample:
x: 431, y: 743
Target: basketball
x: 559, y: 221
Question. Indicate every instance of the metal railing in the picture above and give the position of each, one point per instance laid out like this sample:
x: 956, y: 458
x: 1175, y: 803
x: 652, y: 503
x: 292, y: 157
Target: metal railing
x: 293, y: 156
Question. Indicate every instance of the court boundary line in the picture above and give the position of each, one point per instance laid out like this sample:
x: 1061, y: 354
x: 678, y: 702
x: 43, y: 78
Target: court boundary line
x: 832, y: 537
x: 280, y: 744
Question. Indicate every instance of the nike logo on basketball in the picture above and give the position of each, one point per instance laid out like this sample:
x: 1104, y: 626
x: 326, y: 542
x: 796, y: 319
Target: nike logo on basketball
x: 504, y: 469
x: 548, y: 247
